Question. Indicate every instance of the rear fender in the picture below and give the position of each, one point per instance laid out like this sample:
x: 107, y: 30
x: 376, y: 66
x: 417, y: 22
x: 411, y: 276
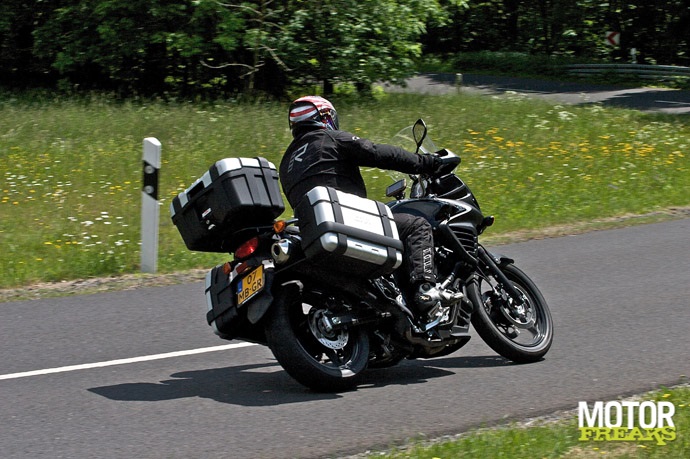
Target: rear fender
x: 258, y: 306
x: 287, y: 291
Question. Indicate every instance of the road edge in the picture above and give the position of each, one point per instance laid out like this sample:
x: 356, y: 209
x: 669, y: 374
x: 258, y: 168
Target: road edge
x: 139, y: 280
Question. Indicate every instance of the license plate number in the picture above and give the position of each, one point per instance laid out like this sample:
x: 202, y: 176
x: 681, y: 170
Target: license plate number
x: 250, y: 285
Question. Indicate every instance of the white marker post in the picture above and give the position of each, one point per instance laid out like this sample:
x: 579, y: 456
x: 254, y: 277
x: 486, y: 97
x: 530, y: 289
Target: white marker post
x: 149, y: 206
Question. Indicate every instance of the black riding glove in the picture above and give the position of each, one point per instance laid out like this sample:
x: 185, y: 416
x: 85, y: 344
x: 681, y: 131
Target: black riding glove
x: 431, y: 164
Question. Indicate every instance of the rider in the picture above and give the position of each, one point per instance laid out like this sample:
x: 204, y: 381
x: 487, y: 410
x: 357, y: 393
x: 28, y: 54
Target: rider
x: 322, y: 155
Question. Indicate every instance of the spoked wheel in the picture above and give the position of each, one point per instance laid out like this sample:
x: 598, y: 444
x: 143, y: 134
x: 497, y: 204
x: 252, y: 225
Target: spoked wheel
x: 314, y: 352
x: 519, y: 329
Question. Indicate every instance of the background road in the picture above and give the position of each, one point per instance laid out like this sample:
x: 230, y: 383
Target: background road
x: 619, y: 300
x: 658, y: 100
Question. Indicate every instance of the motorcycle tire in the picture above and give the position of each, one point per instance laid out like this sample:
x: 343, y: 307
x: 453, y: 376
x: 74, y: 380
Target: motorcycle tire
x: 324, y: 362
x: 519, y: 329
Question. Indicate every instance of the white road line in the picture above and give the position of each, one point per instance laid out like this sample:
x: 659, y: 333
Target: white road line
x: 110, y: 363
x: 672, y: 102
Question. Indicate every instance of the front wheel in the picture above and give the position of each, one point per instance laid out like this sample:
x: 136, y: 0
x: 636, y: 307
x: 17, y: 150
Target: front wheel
x: 519, y: 329
x: 324, y: 360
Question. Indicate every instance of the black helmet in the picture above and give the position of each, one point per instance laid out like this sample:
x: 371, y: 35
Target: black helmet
x: 313, y: 112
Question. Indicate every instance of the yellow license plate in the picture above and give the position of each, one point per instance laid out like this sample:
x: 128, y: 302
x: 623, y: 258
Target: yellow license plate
x: 250, y: 285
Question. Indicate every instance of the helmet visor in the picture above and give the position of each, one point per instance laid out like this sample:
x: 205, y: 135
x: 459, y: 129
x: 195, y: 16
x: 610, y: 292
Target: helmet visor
x: 330, y: 119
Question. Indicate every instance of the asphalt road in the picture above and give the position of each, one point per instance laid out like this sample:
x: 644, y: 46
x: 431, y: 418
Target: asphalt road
x: 619, y: 300
x: 657, y: 100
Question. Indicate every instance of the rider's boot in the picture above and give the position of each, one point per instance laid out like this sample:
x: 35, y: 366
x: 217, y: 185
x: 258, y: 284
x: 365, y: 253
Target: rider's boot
x: 429, y: 298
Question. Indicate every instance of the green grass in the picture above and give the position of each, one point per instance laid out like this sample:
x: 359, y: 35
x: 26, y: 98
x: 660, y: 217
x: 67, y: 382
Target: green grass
x: 70, y: 174
x: 556, y: 439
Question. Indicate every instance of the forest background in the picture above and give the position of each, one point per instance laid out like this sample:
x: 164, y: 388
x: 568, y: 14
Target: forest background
x: 212, y: 48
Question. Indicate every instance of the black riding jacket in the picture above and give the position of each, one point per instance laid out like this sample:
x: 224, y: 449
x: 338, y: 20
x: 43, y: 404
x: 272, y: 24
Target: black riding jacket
x: 332, y: 158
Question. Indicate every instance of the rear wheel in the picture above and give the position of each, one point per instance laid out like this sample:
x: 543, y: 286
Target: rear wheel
x: 518, y: 328
x: 322, y: 358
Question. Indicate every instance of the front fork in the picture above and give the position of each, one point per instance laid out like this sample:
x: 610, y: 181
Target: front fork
x: 491, y: 262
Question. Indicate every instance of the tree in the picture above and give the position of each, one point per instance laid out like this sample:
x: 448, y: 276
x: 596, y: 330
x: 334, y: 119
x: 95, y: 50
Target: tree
x: 660, y: 31
x: 19, y: 65
x: 263, y: 25
x: 141, y: 45
x: 191, y: 46
x: 354, y: 41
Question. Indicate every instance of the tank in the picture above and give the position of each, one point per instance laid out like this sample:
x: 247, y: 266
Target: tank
x: 456, y: 222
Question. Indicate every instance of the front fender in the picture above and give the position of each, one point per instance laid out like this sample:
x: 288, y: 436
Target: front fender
x: 495, y: 263
x: 500, y: 259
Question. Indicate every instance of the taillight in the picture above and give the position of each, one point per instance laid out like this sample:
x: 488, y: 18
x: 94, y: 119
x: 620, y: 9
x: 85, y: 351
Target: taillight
x: 247, y: 249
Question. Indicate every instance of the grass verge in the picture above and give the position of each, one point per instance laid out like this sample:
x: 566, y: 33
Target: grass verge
x: 556, y: 437
x: 70, y: 175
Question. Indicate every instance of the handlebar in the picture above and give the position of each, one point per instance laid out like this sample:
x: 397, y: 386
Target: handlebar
x: 421, y: 183
x: 449, y: 161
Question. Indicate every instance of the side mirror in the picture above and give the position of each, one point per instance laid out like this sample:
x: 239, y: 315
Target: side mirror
x: 419, y: 132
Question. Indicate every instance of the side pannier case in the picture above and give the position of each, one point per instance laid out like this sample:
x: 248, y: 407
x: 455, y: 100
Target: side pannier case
x: 234, y: 194
x: 349, y: 234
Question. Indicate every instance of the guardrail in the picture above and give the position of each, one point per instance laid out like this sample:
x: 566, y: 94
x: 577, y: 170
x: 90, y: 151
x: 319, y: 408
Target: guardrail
x: 638, y: 70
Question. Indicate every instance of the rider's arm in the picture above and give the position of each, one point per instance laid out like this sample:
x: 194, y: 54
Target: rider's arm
x: 365, y: 153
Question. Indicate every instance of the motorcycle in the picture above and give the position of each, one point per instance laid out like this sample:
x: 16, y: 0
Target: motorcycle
x: 327, y: 322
